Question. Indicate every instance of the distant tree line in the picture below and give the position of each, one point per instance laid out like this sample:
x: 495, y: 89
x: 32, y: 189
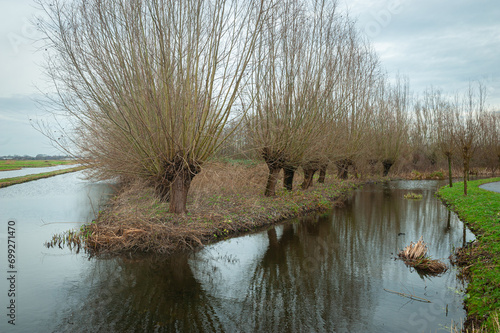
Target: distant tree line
x: 37, y: 157
x: 421, y: 130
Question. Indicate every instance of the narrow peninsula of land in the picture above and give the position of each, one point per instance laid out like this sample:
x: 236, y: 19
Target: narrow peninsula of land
x: 226, y: 200
x: 23, y: 179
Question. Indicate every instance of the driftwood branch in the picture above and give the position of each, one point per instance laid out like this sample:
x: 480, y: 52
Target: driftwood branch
x: 416, y: 298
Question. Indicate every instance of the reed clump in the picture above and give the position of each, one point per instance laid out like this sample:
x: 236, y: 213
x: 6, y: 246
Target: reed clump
x: 413, y: 196
x: 415, y: 255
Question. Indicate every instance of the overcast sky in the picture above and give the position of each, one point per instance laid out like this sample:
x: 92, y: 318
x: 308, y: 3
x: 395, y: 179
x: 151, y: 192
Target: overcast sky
x: 443, y: 43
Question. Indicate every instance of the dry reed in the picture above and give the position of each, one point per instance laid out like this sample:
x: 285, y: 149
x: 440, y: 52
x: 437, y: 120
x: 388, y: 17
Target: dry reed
x: 415, y: 255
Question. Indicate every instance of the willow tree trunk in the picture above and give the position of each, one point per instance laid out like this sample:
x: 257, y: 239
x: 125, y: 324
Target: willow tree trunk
x: 342, y: 169
x: 448, y: 156
x: 387, y: 166
x: 466, y: 172
x: 162, y: 188
x: 272, y: 179
x: 179, y: 189
x: 288, y: 175
x: 322, y: 173
x: 308, y: 178
x: 372, y: 164
x: 355, y: 170
x: 466, y: 152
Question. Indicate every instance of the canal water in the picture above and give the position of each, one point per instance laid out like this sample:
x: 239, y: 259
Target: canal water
x: 325, y: 273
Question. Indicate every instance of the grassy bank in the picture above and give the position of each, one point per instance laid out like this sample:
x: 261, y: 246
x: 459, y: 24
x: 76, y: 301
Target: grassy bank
x: 7, y: 165
x: 23, y: 179
x: 480, y: 210
x: 225, y: 200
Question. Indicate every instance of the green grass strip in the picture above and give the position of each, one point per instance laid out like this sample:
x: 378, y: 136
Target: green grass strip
x: 23, y: 179
x: 7, y: 165
x: 480, y: 210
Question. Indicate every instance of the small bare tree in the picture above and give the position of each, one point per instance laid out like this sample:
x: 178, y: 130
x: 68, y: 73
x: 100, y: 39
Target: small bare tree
x: 434, y: 126
x: 423, y: 136
x: 445, y: 127
x: 489, y: 142
x: 466, y: 134
x: 149, y: 84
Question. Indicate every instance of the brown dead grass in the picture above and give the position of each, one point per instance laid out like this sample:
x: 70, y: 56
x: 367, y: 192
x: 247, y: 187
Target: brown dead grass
x: 415, y: 255
x: 465, y: 257
x: 495, y: 327
x: 224, y: 200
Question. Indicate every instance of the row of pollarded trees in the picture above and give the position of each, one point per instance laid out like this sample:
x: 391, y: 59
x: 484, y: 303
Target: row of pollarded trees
x: 458, y: 126
x: 318, y: 96
x: 151, y: 85
x: 389, y: 125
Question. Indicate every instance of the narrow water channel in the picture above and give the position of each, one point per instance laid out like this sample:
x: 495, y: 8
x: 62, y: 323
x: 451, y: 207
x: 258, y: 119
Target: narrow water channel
x: 324, y: 273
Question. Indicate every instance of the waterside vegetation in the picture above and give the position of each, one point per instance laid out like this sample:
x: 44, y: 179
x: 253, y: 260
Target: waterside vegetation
x: 480, y: 260
x: 226, y: 201
x: 415, y: 255
x: 155, y: 89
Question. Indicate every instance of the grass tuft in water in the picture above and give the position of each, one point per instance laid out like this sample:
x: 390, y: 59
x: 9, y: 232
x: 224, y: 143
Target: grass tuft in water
x: 415, y: 255
x: 413, y: 196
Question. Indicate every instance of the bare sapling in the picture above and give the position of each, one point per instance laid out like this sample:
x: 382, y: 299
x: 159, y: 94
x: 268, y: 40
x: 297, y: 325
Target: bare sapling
x: 466, y: 119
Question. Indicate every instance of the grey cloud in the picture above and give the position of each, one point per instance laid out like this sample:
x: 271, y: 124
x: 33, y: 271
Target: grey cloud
x: 441, y: 43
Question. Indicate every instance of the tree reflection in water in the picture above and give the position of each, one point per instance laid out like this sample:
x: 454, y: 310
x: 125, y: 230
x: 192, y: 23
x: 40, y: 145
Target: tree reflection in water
x: 322, y: 273
x: 143, y: 295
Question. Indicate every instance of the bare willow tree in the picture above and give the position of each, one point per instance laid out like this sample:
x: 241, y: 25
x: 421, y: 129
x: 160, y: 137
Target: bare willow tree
x: 389, y: 131
x: 339, y: 58
x: 445, y: 127
x: 433, y: 127
x: 489, y: 145
x: 290, y: 84
x: 423, y: 136
x: 466, y: 134
x: 149, y: 84
x: 353, y: 103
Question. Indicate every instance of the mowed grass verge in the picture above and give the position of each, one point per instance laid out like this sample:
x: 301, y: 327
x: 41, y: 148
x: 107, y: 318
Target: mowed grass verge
x: 7, y: 165
x: 480, y: 210
x: 23, y: 179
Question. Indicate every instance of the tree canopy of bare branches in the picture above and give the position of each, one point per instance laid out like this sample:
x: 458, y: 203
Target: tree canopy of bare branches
x: 293, y: 78
x: 149, y: 84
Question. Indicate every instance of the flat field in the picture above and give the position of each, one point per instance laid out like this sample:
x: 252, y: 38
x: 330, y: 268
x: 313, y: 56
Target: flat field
x: 6, y: 165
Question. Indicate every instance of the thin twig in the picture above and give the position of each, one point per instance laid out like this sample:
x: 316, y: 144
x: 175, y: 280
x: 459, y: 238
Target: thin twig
x: 416, y: 298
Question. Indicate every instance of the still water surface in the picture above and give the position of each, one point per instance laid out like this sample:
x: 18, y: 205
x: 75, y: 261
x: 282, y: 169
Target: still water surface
x: 322, y: 273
